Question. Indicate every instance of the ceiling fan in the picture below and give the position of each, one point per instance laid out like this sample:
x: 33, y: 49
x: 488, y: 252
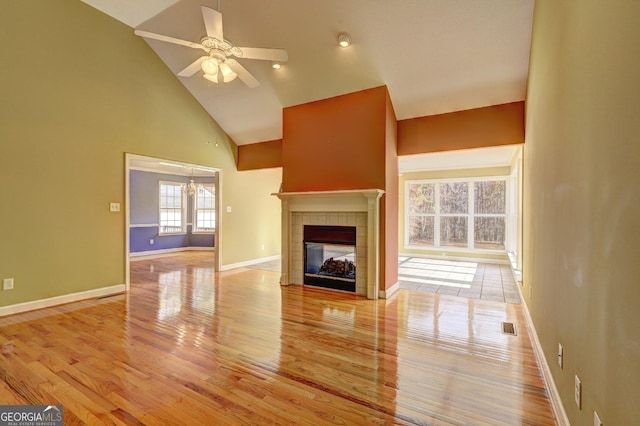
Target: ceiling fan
x: 219, y: 63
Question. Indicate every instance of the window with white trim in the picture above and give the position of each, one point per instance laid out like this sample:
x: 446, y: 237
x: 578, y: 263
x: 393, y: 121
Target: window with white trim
x: 490, y: 219
x: 204, y: 211
x: 172, y: 206
x: 460, y: 213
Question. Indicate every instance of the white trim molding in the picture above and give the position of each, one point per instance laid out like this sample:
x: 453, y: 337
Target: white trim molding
x: 60, y: 300
x: 344, y: 202
x: 149, y: 254
x: 554, y: 395
x: 456, y: 258
x: 386, y: 294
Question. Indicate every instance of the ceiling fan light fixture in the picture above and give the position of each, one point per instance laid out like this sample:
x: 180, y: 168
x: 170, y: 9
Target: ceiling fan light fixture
x: 227, y: 73
x: 210, y: 66
x: 344, y: 39
x: 221, y: 54
x: 211, y: 77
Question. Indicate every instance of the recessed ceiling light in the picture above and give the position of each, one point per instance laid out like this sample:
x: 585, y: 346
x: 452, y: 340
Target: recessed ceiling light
x: 344, y: 39
x: 276, y: 65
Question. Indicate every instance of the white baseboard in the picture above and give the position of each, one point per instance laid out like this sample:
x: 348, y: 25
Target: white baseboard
x: 151, y: 253
x: 248, y: 262
x: 554, y: 395
x: 60, y: 300
x: 456, y: 258
x: 386, y: 294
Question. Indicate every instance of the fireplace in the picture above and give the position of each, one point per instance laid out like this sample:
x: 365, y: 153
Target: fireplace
x: 357, y: 209
x: 330, y: 257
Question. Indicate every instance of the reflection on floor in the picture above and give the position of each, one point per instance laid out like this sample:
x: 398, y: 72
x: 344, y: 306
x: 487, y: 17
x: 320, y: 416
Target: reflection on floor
x: 189, y: 346
x: 473, y: 280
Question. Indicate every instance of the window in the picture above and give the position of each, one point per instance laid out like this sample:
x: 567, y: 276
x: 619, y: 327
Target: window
x: 454, y: 209
x: 490, y: 214
x: 467, y: 214
x: 172, y: 208
x: 422, y: 213
x: 204, y: 212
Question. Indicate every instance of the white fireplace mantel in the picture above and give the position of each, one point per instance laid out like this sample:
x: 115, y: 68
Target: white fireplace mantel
x: 343, y: 201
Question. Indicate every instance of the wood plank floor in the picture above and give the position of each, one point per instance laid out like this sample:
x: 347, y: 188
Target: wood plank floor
x: 188, y: 346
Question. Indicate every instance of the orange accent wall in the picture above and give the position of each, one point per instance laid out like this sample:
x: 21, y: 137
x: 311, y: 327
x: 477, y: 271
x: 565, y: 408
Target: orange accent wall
x: 336, y: 143
x: 347, y: 142
x: 263, y: 155
x: 475, y: 128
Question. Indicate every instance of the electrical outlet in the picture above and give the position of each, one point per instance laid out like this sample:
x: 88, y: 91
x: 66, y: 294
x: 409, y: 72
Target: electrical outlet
x: 7, y: 284
x: 114, y: 207
x: 578, y: 392
x: 560, y: 355
x: 151, y: 241
x: 596, y: 419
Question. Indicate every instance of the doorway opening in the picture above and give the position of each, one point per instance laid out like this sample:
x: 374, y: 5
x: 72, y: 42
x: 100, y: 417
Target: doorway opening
x: 171, y: 207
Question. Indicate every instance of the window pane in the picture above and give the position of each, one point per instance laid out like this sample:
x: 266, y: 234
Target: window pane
x: 205, y: 208
x: 203, y: 202
x: 454, y: 197
x: 171, y: 217
x: 205, y: 220
x: 208, y: 191
x: 205, y: 197
x: 490, y: 197
x: 421, y: 230
x: 453, y: 231
x: 489, y: 233
x: 422, y: 198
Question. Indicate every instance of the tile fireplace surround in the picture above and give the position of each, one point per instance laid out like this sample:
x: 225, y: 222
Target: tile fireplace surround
x: 359, y: 208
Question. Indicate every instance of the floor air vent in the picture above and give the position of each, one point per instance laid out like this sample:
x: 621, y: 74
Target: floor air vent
x: 509, y: 328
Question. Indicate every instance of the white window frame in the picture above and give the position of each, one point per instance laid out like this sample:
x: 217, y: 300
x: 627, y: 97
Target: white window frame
x: 436, y: 234
x: 183, y: 208
x: 470, y: 215
x: 194, y: 224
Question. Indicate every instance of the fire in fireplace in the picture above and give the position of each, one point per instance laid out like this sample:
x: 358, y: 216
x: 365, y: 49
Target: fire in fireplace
x: 329, y: 256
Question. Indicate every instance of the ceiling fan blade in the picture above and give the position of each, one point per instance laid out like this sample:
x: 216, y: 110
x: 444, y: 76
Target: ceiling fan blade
x: 168, y: 39
x: 243, y: 74
x: 264, y: 54
x: 212, y: 22
x: 193, y: 68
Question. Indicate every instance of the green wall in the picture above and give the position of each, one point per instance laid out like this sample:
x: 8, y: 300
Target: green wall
x: 79, y: 90
x: 581, y: 205
x: 444, y: 174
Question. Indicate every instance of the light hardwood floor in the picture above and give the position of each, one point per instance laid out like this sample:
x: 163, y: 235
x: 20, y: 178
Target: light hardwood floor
x: 188, y: 346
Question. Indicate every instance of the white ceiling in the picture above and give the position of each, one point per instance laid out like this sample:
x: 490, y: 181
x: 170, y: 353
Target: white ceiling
x: 435, y: 56
x: 501, y: 156
x: 132, y: 13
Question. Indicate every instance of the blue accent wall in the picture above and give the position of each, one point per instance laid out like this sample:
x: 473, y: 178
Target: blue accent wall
x: 143, y: 187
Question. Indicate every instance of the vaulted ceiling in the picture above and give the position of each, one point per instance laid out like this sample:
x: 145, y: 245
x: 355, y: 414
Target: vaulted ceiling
x: 435, y: 56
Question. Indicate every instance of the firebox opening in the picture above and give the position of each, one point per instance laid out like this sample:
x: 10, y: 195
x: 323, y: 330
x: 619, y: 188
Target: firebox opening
x: 329, y: 257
